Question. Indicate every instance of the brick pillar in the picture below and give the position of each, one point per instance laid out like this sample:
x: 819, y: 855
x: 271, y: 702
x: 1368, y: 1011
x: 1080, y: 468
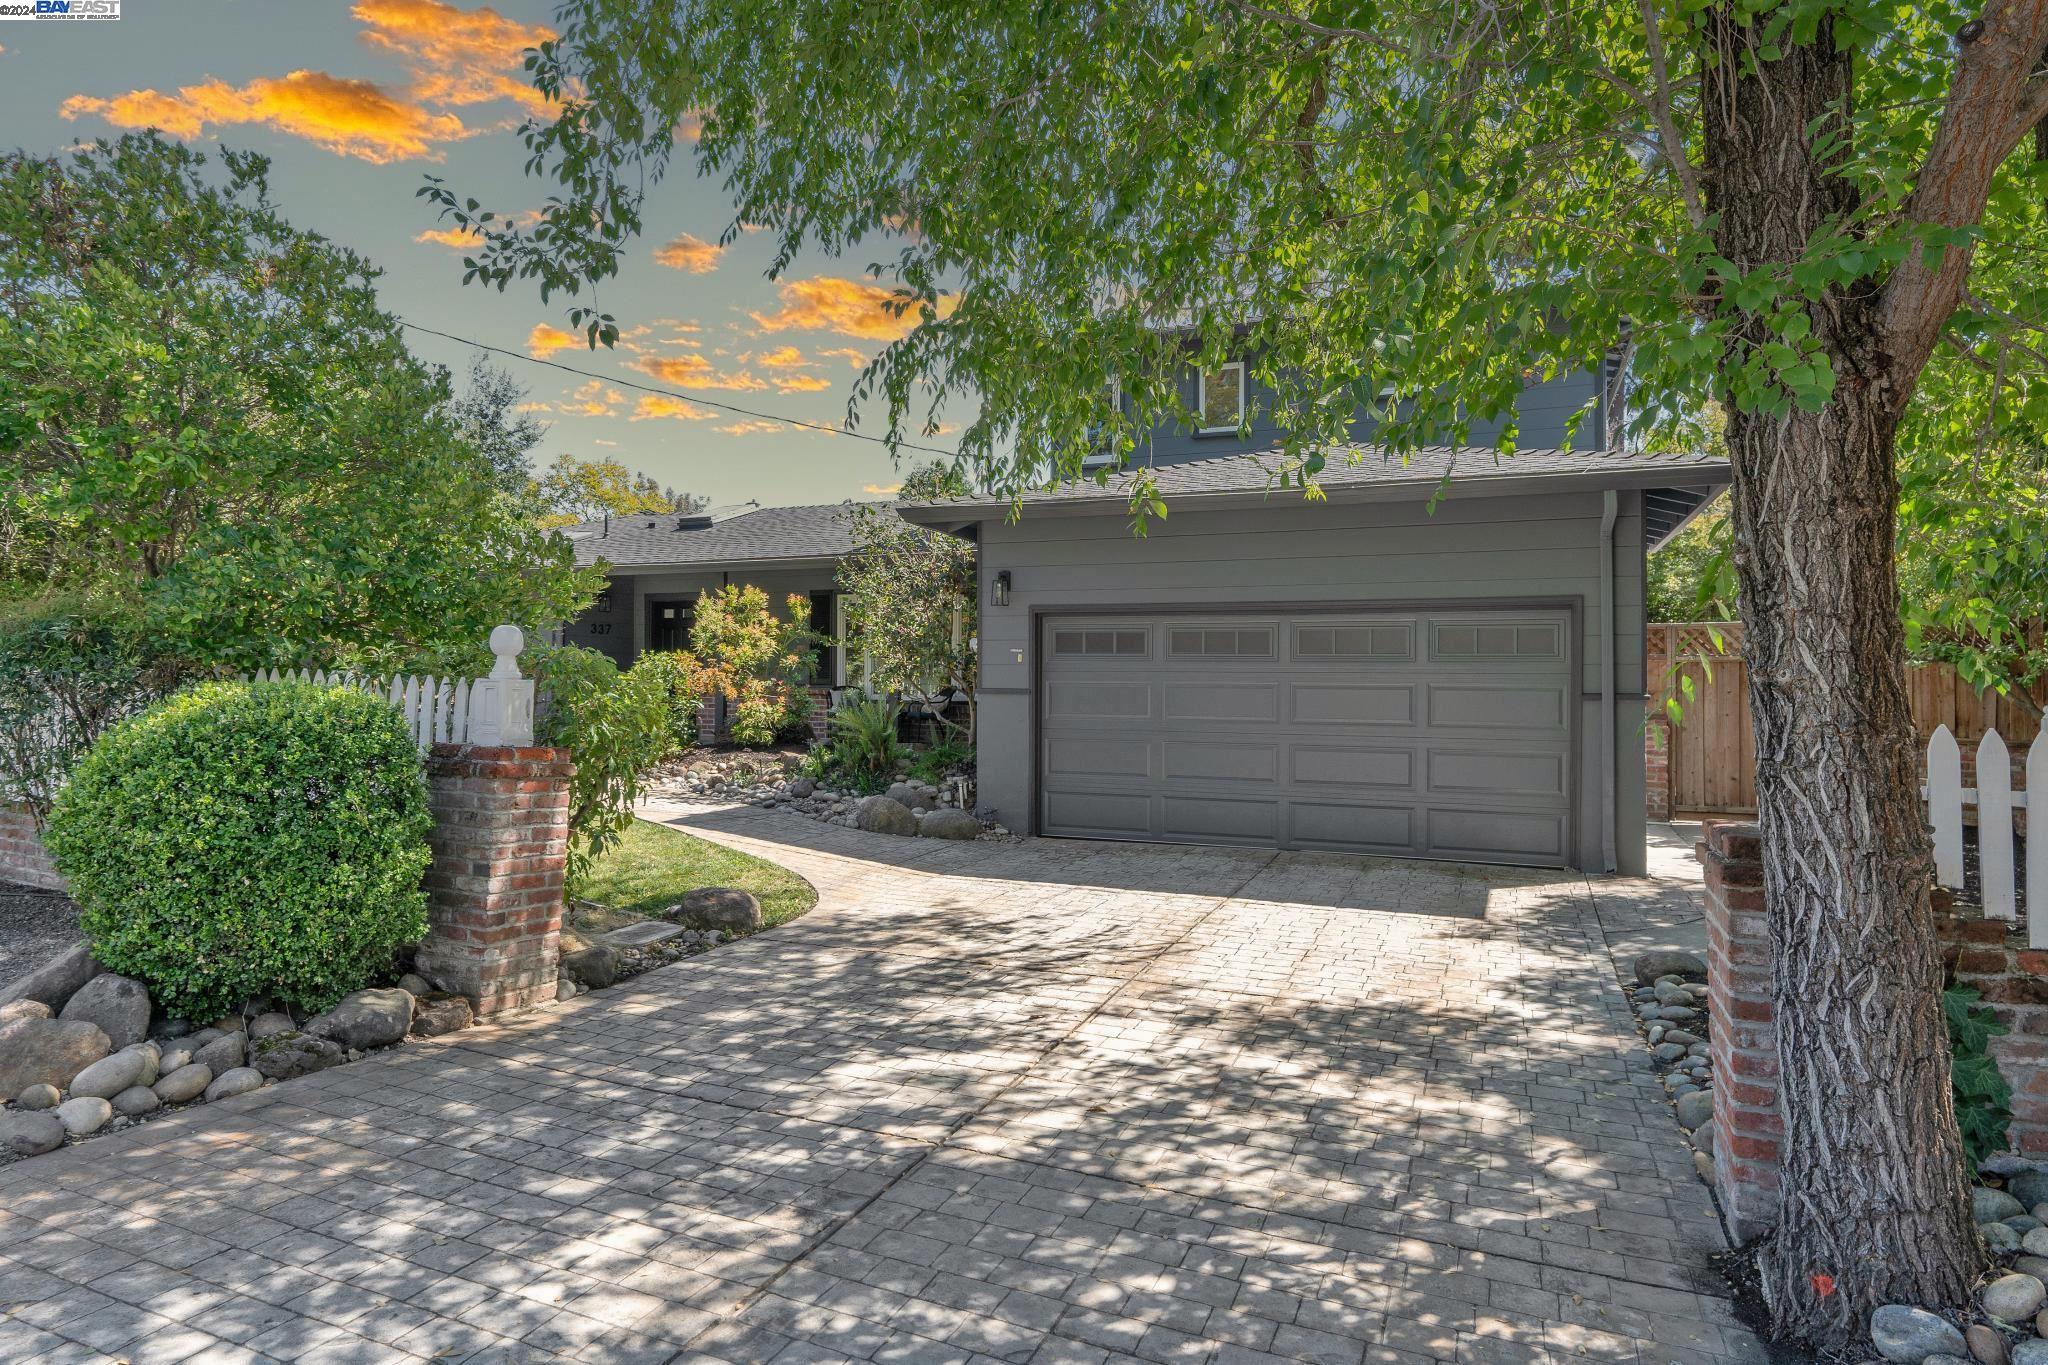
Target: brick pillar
x: 494, y: 890
x: 821, y: 713
x: 23, y: 859
x: 1743, y: 1040
x: 1657, y: 767
x: 711, y: 720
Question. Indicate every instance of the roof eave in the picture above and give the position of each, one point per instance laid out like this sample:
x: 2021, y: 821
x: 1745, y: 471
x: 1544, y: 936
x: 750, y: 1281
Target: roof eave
x: 1111, y: 502
x: 715, y: 565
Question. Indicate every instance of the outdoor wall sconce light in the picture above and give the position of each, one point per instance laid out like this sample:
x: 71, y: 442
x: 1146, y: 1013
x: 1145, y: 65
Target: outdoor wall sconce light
x: 1000, y: 593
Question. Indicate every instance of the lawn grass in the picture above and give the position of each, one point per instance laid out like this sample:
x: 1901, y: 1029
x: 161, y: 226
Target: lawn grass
x: 653, y: 866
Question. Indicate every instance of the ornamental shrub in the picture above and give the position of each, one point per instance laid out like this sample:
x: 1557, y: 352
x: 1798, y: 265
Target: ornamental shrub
x: 246, y: 839
x: 682, y: 681
x: 615, y: 725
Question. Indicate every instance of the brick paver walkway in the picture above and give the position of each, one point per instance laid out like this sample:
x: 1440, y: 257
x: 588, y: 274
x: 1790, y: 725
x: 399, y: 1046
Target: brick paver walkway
x: 1039, y: 1102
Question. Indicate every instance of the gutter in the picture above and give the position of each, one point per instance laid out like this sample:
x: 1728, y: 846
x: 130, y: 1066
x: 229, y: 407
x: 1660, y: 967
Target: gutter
x: 1609, y: 841
x: 949, y: 514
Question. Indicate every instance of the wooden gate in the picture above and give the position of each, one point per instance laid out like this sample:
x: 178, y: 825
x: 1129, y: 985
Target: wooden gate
x: 1706, y: 759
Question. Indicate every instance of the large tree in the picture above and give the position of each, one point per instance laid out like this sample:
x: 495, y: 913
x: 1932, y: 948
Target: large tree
x: 212, y: 431
x: 1785, y: 205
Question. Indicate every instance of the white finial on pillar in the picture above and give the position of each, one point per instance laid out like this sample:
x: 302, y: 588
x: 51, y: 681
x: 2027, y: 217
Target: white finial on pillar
x: 501, y: 706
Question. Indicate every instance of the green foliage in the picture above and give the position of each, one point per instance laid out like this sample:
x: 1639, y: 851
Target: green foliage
x: 862, y: 752
x: 615, y: 726
x: 1981, y: 1093
x: 760, y: 661
x: 682, y: 687
x: 909, y: 596
x: 208, y: 415
x: 1691, y: 579
x: 940, y: 761
x: 69, y: 671
x: 239, y: 840
x: 575, y: 489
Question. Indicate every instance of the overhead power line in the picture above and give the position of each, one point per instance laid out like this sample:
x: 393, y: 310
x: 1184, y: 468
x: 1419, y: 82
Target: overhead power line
x: 718, y: 403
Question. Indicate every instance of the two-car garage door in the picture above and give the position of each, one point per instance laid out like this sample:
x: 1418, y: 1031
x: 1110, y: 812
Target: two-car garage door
x: 1443, y: 734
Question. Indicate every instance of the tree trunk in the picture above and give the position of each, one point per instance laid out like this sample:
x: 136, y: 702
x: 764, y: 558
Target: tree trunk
x: 1875, y: 1204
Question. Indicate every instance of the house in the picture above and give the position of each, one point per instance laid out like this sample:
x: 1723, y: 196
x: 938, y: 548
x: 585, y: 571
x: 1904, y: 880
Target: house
x: 658, y: 564
x: 1410, y: 666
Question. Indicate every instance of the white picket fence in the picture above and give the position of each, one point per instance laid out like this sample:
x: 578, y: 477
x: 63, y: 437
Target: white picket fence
x: 1996, y: 801
x: 496, y: 709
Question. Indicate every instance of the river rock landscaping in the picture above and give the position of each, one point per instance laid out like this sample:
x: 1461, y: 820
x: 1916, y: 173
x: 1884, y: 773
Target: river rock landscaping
x: 84, y: 1050
x: 1669, y: 997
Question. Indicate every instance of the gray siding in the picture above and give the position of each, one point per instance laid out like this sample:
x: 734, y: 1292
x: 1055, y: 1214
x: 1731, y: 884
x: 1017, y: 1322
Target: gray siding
x: 1545, y: 411
x: 607, y: 626
x: 1474, y: 550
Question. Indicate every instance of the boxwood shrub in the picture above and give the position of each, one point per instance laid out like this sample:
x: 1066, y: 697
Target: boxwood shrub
x: 248, y: 839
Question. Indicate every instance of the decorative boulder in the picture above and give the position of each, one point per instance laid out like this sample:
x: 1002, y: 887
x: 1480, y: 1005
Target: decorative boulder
x: 1650, y: 966
x: 802, y: 787
x: 118, y: 1004
x: 295, y: 1054
x: 1695, y: 1109
x: 720, y: 907
x: 83, y: 1115
x: 270, y: 1023
x: 1993, y: 1206
x: 109, y: 1076
x: 884, y: 815
x: 136, y: 1101
x: 949, y: 824
x: 239, y: 1081
x: 41, y: 1095
x: 56, y: 981
x: 223, y: 1053
x: 2029, y: 1187
x: 49, y: 1051
x: 415, y: 985
x: 31, y: 1134
x: 440, y: 1013
x: 375, y: 1018
x: 903, y: 793
x: 1910, y: 1335
x: 23, y: 1009
x: 595, y: 967
x: 185, y: 1084
x: 2013, y: 1298
x: 176, y: 1055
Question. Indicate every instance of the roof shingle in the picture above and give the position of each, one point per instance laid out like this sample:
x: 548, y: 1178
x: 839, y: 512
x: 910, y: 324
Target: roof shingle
x: 644, y: 540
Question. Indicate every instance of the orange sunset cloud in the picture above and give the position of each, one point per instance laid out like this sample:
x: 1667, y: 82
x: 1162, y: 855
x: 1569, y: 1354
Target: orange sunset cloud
x: 695, y: 372
x: 853, y: 308
x: 800, y: 383
x: 546, y: 338
x: 653, y: 405
x: 458, y: 56
x: 350, y: 117
x: 455, y: 58
x: 693, y: 254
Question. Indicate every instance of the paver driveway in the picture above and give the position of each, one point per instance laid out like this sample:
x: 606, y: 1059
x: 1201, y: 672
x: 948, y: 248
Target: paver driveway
x: 1026, y: 1102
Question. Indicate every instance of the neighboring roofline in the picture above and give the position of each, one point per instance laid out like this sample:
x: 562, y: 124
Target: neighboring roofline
x: 1694, y: 515
x: 1112, y: 500
x: 713, y: 565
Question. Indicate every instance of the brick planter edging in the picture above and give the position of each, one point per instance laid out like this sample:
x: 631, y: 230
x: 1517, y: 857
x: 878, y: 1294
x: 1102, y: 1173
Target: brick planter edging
x: 1743, y: 1039
x: 1994, y: 957
x: 495, y: 886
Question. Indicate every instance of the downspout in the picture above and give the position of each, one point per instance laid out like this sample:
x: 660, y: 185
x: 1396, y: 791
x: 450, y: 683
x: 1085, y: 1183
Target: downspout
x: 1608, y: 841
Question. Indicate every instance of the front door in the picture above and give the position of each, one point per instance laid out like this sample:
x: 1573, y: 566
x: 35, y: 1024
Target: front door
x: 668, y: 622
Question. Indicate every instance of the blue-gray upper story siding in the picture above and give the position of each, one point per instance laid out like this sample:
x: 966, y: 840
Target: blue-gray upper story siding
x: 1544, y: 417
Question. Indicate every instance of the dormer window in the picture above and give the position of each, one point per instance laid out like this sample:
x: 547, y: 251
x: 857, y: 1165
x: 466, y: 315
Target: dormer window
x: 1219, y: 397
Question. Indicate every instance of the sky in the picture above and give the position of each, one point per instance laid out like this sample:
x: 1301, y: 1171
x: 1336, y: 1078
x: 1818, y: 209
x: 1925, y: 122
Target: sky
x: 356, y: 101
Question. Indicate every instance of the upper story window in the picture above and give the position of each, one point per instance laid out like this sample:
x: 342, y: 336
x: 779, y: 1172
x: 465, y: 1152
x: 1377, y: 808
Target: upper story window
x: 1219, y: 397
x: 1102, y: 454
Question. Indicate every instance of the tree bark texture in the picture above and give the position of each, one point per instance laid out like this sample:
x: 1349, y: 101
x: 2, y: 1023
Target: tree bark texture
x: 1875, y: 1204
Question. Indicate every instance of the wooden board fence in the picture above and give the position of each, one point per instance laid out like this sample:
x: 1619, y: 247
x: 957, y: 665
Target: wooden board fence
x: 1711, y: 767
